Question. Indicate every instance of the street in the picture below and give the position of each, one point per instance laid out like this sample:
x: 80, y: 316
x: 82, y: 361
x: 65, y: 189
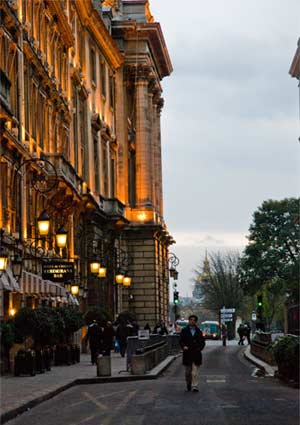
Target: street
x: 230, y: 394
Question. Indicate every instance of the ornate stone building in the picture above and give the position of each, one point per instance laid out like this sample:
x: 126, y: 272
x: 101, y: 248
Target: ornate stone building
x: 80, y: 105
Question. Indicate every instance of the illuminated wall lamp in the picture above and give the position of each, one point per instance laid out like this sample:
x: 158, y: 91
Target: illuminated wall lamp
x: 61, y: 237
x: 43, y: 223
x: 119, y: 278
x: 75, y: 289
x: 12, y: 312
x: 127, y: 281
x: 95, y: 266
x: 102, y: 272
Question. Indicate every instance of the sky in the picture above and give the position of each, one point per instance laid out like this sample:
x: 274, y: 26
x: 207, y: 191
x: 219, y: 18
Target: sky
x: 230, y: 124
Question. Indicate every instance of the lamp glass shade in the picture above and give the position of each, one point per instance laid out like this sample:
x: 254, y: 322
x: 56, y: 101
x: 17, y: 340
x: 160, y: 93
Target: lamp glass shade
x: 95, y: 266
x: 16, y: 265
x: 43, y: 224
x: 119, y: 278
x: 102, y: 272
x: 3, y: 262
x: 74, y: 289
x: 61, y: 237
x: 127, y: 281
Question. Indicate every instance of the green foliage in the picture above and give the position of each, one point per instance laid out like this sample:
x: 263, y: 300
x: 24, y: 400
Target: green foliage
x: 73, y: 319
x: 286, y: 353
x: 7, y: 335
x: 125, y: 316
x: 223, y: 287
x: 98, y: 314
x: 24, y: 323
x: 273, y: 253
x: 44, y: 325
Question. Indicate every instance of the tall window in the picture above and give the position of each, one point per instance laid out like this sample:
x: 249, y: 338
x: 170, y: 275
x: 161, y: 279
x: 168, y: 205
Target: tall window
x: 96, y: 162
x: 131, y: 178
x: 111, y: 91
x: 93, y: 66
x: 104, y: 169
x: 103, y: 79
x: 75, y: 126
x: 112, y: 177
x: 83, y: 138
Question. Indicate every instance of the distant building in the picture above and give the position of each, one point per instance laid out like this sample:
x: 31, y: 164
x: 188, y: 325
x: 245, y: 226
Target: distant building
x: 203, y: 278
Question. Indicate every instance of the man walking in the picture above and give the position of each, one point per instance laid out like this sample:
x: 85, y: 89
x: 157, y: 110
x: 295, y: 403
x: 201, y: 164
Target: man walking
x: 192, y: 343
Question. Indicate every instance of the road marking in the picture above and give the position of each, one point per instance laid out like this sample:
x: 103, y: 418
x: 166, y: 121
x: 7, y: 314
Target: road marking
x: 126, y: 400
x: 95, y: 401
x: 86, y: 419
x: 279, y: 399
x: 96, y: 398
x: 215, y: 380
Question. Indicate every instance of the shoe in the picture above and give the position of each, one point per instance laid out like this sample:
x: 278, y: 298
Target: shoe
x: 195, y: 390
x: 189, y: 387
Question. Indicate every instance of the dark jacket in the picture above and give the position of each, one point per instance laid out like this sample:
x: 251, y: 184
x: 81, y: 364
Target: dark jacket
x: 195, y: 345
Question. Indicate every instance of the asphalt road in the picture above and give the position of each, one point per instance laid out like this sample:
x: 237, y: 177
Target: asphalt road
x: 230, y: 394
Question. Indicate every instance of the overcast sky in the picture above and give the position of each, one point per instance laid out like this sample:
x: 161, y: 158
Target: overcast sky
x: 230, y: 123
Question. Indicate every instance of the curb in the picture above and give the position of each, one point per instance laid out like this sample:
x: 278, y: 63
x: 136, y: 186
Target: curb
x: 7, y: 416
x: 266, y: 368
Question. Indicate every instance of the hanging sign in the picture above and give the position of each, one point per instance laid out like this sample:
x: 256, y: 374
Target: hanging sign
x: 58, y: 271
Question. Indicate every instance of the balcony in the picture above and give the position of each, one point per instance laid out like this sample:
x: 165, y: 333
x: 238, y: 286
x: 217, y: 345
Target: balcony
x: 64, y: 170
x: 114, y: 208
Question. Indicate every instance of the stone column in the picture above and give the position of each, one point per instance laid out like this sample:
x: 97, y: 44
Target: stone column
x: 143, y: 140
x: 121, y: 126
x: 159, y: 160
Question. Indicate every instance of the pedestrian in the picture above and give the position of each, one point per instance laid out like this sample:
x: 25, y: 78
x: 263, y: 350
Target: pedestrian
x: 241, y: 332
x: 147, y: 327
x: 224, y: 334
x: 247, y: 331
x: 135, y: 327
x: 121, y: 336
x: 94, y: 337
x: 192, y: 343
x: 108, y: 337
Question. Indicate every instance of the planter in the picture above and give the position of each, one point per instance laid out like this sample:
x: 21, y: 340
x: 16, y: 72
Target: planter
x: 25, y: 363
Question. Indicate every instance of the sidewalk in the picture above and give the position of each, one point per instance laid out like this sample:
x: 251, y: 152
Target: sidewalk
x: 18, y: 394
x: 267, y: 369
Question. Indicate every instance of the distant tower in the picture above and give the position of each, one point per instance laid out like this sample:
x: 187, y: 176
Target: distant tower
x: 203, y: 278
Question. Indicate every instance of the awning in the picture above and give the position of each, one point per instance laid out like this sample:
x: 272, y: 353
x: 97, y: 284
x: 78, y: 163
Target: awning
x: 8, y: 281
x: 33, y: 284
x: 72, y: 300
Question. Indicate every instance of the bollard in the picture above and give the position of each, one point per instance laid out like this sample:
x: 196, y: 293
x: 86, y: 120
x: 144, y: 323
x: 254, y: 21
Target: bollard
x: 103, y: 365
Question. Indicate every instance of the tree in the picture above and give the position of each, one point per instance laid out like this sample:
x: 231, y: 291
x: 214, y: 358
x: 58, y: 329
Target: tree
x: 223, y: 287
x: 72, y: 318
x: 273, y: 252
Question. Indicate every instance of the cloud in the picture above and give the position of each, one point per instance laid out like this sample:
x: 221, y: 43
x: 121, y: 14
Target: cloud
x: 205, y: 240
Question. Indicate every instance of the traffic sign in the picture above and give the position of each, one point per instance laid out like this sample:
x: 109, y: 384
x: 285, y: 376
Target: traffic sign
x: 227, y: 310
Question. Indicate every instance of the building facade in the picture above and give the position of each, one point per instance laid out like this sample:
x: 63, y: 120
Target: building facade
x: 80, y: 105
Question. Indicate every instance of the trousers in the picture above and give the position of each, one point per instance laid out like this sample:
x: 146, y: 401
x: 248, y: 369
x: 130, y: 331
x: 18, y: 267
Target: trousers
x: 192, y: 375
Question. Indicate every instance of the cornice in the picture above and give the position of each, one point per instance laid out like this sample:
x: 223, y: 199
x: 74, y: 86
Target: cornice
x: 92, y: 20
x: 62, y: 22
x: 151, y: 32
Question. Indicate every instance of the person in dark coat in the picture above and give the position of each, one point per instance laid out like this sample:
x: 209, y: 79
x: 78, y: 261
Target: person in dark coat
x: 247, y: 332
x: 192, y: 343
x: 147, y: 327
x: 108, y: 337
x: 121, y: 335
x: 94, y: 336
x: 241, y: 332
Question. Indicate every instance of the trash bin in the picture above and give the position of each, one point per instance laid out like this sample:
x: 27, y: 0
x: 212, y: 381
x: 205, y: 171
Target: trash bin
x: 103, y: 365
